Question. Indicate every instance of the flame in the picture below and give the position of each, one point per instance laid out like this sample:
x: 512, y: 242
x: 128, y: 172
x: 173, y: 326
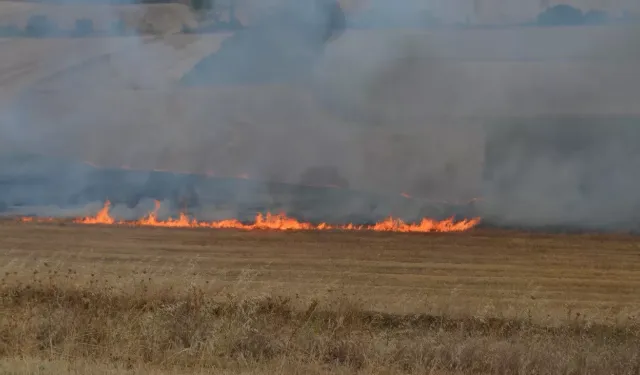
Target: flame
x: 31, y: 219
x: 282, y: 222
x: 102, y: 217
x: 405, y: 195
x: 426, y: 225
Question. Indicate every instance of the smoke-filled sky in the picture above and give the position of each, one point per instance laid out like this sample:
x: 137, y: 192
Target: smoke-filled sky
x: 391, y: 110
x: 513, y: 11
x: 460, y: 11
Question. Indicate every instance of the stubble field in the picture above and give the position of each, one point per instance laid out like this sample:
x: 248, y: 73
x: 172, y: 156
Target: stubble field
x: 115, y: 300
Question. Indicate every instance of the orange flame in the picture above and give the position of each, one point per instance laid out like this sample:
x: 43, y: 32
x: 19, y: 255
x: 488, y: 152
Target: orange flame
x: 102, y: 217
x: 282, y: 222
x: 31, y: 219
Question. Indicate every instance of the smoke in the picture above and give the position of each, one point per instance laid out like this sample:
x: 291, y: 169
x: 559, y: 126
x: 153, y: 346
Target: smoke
x: 401, y: 110
x: 567, y: 152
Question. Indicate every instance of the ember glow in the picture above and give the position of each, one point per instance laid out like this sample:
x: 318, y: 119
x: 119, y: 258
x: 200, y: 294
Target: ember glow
x: 281, y: 222
x: 29, y: 219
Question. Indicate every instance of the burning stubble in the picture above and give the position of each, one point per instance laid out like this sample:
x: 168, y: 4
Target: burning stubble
x: 390, y: 111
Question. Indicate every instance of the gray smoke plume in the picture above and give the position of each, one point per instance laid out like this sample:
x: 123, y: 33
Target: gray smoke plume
x: 431, y: 108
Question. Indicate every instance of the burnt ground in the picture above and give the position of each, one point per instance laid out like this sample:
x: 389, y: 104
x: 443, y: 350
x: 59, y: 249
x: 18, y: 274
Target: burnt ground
x: 30, y: 182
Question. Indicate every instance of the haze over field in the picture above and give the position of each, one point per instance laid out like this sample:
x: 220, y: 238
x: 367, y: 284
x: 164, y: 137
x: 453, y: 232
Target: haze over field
x: 391, y: 110
x: 459, y: 11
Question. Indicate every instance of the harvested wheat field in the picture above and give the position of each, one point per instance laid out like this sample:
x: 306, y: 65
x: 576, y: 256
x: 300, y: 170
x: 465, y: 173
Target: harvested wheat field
x: 119, y: 299
x: 91, y: 119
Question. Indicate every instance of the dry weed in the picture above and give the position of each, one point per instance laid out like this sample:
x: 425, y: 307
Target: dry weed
x: 59, y: 322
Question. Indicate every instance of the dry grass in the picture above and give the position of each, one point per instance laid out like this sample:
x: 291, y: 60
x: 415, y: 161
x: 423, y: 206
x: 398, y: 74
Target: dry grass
x: 138, y: 300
